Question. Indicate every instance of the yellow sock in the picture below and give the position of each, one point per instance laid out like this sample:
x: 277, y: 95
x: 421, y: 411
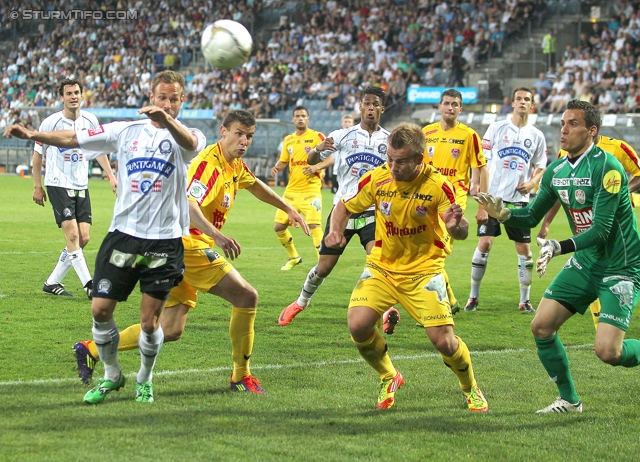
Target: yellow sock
x: 128, y: 340
x: 595, y: 312
x: 241, y: 333
x: 452, y: 298
x: 316, y: 235
x: 374, y: 351
x: 286, y: 239
x: 460, y: 364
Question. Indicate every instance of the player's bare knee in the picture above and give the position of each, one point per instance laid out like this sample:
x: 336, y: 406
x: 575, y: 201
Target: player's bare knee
x: 445, y: 344
x: 541, y: 330
x: 249, y: 297
x: 172, y: 334
x: 607, y: 354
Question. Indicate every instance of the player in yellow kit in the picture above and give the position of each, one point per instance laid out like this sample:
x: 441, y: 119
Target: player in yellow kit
x: 456, y: 150
x: 214, y: 178
x: 631, y: 164
x: 416, y: 216
x: 304, y: 190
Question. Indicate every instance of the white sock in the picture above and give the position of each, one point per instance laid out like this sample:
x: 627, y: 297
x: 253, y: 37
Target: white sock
x: 309, y: 288
x: 80, y: 265
x: 525, y: 273
x: 62, y: 268
x: 149, y: 348
x: 478, y: 268
x: 107, y: 338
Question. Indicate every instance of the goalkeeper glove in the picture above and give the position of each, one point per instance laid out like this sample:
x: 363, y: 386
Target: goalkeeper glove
x: 493, y: 206
x: 549, y: 248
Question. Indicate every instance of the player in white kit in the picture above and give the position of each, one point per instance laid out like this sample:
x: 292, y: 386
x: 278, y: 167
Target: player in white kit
x: 516, y: 154
x: 66, y: 178
x: 355, y: 151
x: 151, y: 215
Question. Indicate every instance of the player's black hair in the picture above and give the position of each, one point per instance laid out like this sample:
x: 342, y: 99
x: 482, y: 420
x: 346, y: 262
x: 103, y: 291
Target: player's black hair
x: 527, y: 89
x: 245, y: 118
x: 591, y: 114
x: 299, y: 108
x: 451, y: 92
x: 377, y: 91
x: 68, y: 82
x: 406, y: 134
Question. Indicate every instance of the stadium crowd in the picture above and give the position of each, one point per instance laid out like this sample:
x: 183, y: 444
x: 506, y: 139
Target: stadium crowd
x: 330, y: 51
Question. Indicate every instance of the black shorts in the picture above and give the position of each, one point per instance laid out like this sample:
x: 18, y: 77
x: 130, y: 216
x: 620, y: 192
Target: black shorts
x: 70, y: 204
x: 361, y: 224
x: 123, y: 260
x: 492, y: 228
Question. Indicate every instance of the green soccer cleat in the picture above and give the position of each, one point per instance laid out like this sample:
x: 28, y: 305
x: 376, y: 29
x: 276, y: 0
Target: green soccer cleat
x: 105, y: 386
x: 288, y: 266
x: 144, y: 392
x: 476, y: 400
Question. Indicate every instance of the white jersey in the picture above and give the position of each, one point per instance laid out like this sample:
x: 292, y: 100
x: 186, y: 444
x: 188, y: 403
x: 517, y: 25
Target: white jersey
x: 358, y: 152
x: 152, y: 177
x: 65, y: 167
x: 512, y: 155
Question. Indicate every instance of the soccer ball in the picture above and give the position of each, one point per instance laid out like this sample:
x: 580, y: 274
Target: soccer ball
x: 226, y: 44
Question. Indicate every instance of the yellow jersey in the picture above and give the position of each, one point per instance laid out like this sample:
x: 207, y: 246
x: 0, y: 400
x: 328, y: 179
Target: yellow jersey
x: 411, y: 237
x: 454, y: 152
x: 213, y: 184
x: 621, y: 151
x: 295, y: 152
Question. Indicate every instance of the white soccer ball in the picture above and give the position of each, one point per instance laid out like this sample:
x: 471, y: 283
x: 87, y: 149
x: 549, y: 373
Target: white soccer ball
x: 226, y: 44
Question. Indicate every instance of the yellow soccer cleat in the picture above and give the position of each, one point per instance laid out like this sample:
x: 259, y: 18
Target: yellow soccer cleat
x: 476, y: 400
x: 291, y: 263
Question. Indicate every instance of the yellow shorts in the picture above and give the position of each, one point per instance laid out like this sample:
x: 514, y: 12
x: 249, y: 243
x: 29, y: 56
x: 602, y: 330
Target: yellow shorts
x: 424, y: 296
x: 461, y: 197
x: 309, y: 205
x: 204, y: 268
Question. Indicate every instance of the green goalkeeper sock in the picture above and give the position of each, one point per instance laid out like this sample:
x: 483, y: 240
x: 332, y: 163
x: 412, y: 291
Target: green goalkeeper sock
x: 553, y: 357
x: 630, y: 356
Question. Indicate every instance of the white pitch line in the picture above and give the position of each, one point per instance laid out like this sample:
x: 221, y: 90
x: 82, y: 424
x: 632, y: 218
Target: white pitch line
x: 286, y: 366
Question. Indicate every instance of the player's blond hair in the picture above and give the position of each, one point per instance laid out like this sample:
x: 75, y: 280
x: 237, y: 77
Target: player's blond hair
x: 407, y: 134
x: 168, y: 77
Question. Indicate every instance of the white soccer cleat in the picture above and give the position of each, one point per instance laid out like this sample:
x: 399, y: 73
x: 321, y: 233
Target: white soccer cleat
x: 561, y: 405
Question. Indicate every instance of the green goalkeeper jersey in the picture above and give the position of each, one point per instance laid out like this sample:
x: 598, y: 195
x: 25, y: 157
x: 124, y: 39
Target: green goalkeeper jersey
x: 594, y: 194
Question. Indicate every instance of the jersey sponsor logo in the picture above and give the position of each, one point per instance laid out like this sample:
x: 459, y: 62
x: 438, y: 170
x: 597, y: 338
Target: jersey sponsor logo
x: 146, y: 185
x: 397, y: 231
x: 431, y: 132
x: 141, y: 164
x: 74, y: 157
x: 527, y: 143
x: 431, y: 150
x: 197, y: 190
x: 385, y: 208
x: 95, y: 131
x: 382, y: 149
x: 432, y: 140
x: 307, y: 149
x: 290, y: 149
x: 359, y: 299
x: 383, y: 182
x: 298, y: 163
x: 226, y: 201
x: 486, y: 144
x: 422, y: 197
x: 580, y: 196
x: 624, y: 291
x: 421, y: 210
x: 564, y: 196
x: 612, y: 181
x: 365, y: 158
x: 582, y: 219
x: 514, y: 151
x: 165, y: 147
x: 448, y: 171
x: 566, y: 182
x: 455, y: 141
x: 455, y: 153
x: 383, y: 193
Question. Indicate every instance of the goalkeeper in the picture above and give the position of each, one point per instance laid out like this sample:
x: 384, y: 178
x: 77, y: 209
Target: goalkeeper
x: 593, y: 190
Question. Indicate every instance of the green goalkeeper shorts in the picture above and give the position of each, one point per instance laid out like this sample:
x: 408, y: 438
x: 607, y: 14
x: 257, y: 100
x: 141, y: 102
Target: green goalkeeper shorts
x: 575, y: 287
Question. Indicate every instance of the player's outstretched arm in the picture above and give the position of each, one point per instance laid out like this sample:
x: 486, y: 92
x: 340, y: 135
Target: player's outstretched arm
x: 229, y: 246
x: 314, y: 155
x: 266, y: 195
x: 339, y: 219
x: 59, y: 138
x: 183, y: 136
x: 493, y: 206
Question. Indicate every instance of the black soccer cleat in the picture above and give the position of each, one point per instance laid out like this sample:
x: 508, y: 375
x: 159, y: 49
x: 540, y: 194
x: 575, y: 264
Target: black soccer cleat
x: 55, y: 289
